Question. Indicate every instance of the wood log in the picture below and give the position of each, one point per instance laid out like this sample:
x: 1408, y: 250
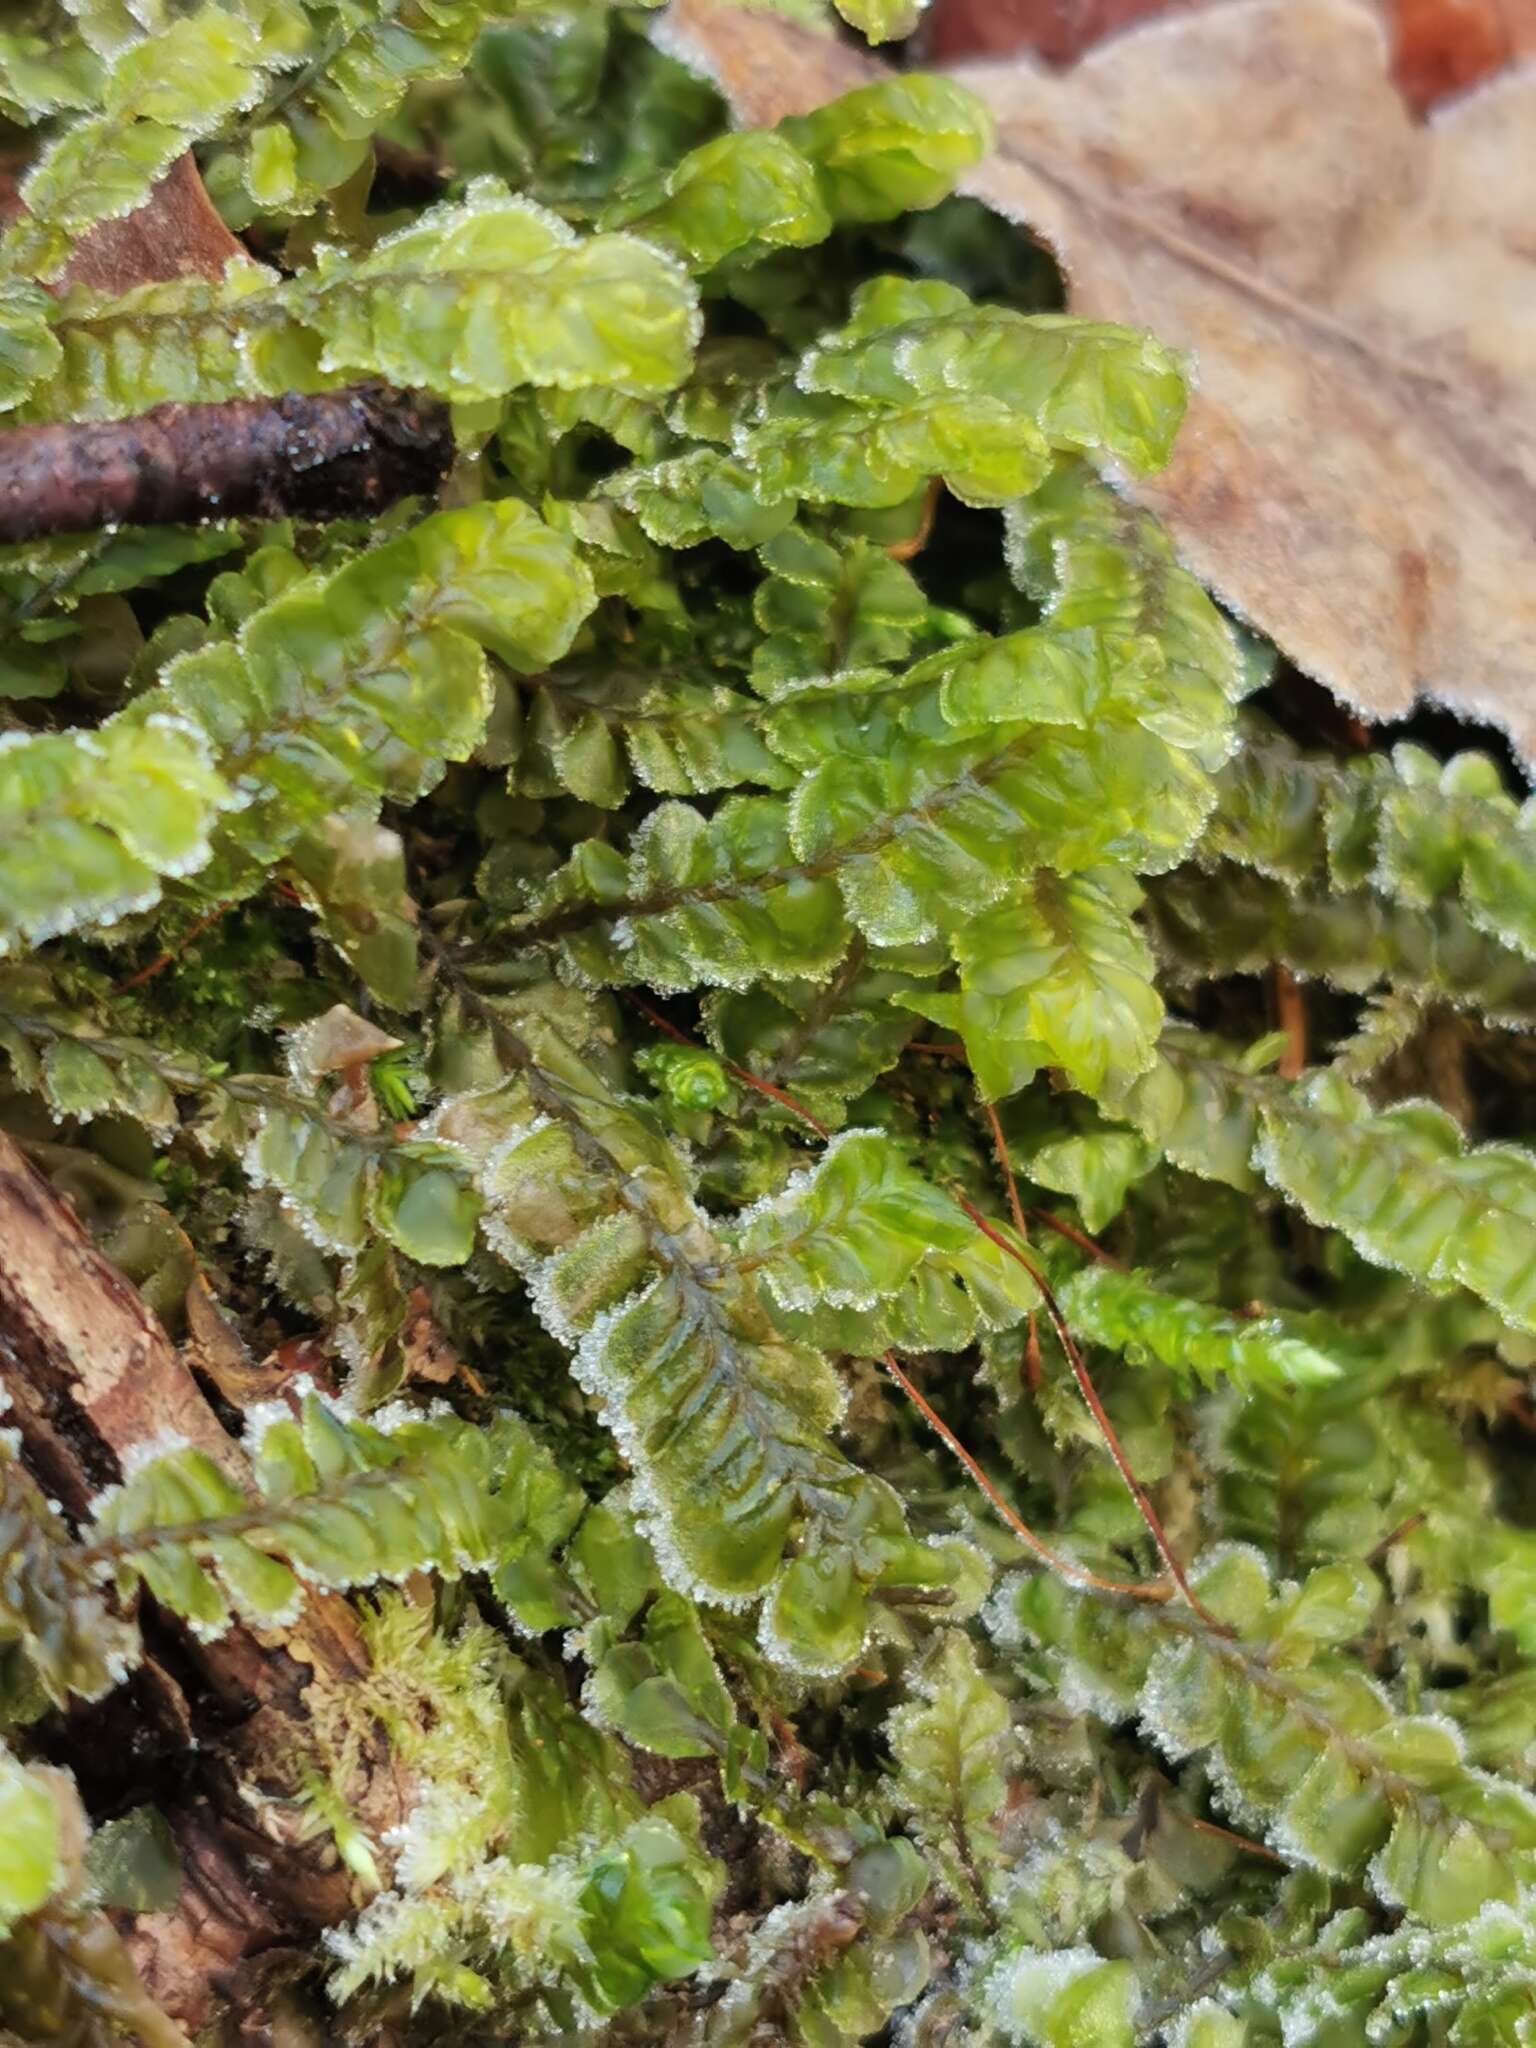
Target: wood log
x: 92, y: 1378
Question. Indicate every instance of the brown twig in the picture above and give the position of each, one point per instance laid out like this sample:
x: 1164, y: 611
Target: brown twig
x: 326, y: 456
x: 92, y: 1379
x: 1097, y: 1409
x: 1021, y: 1529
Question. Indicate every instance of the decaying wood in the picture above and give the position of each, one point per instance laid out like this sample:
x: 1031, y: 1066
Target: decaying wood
x: 92, y: 1378
x: 333, y: 455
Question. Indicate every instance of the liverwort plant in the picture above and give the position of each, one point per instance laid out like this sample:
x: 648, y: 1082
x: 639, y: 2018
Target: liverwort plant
x: 577, y: 1018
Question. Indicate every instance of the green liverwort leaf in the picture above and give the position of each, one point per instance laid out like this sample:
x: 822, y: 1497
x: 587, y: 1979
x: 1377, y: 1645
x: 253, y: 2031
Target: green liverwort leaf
x: 424, y: 1206
x: 740, y: 193
x: 892, y: 147
x: 29, y: 1841
x: 1056, y: 976
x: 949, y: 1744
x: 1129, y: 1312
x: 882, y: 21
x: 340, y: 692
x: 1066, y: 1997
x: 1407, y: 1190
x: 647, y: 1904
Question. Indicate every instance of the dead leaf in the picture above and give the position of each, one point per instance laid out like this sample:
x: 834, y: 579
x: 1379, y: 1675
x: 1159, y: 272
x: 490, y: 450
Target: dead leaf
x: 301, y: 1358
x: 1057, y: 30
x: 1357, y: 474
x: 425, y: 1352
x: 215, y: 1348
x: 345, y: 1044
x: 1439, y: 47
x: 339, y: 1039
x: 175, y: 233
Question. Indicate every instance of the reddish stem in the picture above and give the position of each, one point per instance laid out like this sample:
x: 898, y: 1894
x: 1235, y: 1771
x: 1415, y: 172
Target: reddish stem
x: 1033, y: 1370
x: 1291, y: 1016
x: 1097, y: 1409
x: 1005, y: 1166
x: 1404, y: 1528
x: 1016, y: 1522
x: 1080, y: 1238
x: 905, y: 550
x: 1246, y: 1842
x: 165, y: 960
x: 1031, y: 1359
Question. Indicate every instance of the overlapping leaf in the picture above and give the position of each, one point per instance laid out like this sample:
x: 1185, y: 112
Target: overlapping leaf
x: 473, y: 299
x: 1056, y: 975
x: 1130, y: 1313
x: 340, y: 692
x: 340, y: 1504
x: 895, y: 1259
x: 1300, y: 1738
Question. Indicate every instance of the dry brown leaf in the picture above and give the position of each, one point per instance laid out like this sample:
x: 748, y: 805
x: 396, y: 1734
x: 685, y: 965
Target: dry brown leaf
x: 425, y: 1352
x: 1059, y: 30
x: 1357, y: 474
x: 215, y: 1348
x: 175, y: 233
x: 340, y: 1039
x: 1439, y: 47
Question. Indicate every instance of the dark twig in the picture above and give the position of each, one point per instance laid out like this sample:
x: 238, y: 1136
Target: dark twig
x: 333, y: 455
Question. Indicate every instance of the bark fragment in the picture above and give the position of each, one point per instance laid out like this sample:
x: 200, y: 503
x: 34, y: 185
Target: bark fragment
x: 328, y: 456
x: 92, y: 1377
